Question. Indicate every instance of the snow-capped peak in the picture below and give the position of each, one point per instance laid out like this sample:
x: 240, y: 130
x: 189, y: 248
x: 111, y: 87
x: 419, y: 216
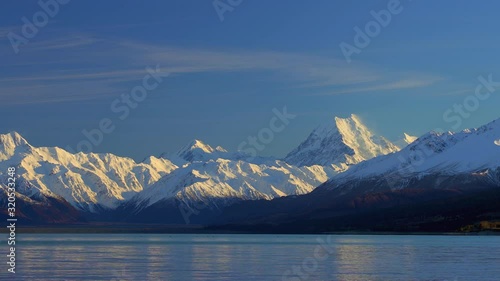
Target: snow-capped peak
x: 12, y: 139
x: 343, y: 141
x: 221, y: 149
x: 82, y: 179
x: 409, y: 139
x: 405, y: 141
x: 9, y: 143
x: 358, y: 137
x: 196, y: 144
x: 197, y: 150
x: 467, y: 151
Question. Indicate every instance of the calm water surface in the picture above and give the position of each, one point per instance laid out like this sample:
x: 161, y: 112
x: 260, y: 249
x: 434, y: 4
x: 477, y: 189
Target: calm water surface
x: 254, y: 257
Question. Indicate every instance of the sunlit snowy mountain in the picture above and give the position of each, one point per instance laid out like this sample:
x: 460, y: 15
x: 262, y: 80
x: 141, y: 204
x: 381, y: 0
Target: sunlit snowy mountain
x: 86, y: 181
x: 214, y: 173
x: 340, y: 142
x: 198, y: 172
x: 470, y: 154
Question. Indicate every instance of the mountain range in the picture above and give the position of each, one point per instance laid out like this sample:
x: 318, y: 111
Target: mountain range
x: 340, y: 162
x: 439, y: 182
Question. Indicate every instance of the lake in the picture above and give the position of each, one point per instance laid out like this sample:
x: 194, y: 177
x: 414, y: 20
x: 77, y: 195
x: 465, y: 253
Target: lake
x: 254, y: 257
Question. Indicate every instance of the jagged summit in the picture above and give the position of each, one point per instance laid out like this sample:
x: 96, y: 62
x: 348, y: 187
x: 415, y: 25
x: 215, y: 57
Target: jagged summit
x: 197, y: 150
x: 10, y: 143
x: 84, y: 180
x: 221, y: 149
x: 409, y: 138
x: 196, y: 144
x: 338, y: 141
x: 12, y: 138
x: 448, y: 153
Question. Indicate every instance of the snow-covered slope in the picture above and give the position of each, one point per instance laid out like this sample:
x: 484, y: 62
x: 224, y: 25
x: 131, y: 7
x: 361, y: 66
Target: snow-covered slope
x: 471, y: 151
x: 93, y: 181
x: 341, y: 142
x: 198, y: 151
x: 222, y: 179
x: 84, y: 180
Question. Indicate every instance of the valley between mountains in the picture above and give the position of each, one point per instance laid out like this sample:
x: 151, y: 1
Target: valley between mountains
x: 342, y: 177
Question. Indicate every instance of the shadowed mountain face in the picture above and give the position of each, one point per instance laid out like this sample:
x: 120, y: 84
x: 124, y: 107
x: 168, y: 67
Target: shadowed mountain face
x: 431, y: 203
x: 41, y: 210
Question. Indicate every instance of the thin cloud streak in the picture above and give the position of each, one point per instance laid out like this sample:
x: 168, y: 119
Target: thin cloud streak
x: 304, y: 68
x: 63, y: 43
x: 94, y: 56
x: 390, y: 86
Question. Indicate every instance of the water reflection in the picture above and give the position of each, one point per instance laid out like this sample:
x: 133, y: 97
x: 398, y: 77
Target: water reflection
x: 255, y: 257
x: 353, y: 259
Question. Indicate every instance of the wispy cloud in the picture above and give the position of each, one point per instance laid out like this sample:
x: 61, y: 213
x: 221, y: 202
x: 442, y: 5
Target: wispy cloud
x: 304, y: 68
x: 100, y: 65
x: 79, y: 76
x: 5, y: 30
x: 59, y: 92
x: 63, y: 43
x: 406, y: 83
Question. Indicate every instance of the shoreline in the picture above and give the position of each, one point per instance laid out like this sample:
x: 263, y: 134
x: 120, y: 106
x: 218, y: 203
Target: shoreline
x: 198, y: 229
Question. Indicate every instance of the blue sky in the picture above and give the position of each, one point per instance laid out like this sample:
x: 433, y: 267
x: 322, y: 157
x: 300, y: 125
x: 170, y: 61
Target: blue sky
x: 227, y: 76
